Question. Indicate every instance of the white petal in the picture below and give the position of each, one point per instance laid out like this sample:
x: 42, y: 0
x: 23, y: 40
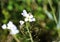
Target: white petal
x: 12, y: 28
x: 24, y: 11
x: 13, y: 32
x: 21, y: 22
x: 30, y: 20
x: 33, y: 19
x: 26, y: 19
x: 4, y: 26
x: 25, y: 14
x: 10, y: 24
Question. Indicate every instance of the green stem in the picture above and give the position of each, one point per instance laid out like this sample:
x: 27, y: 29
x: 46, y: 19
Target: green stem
x: 29, y: 32
x: 14, y: 36
x: 58, y: 25
x: 50, y: 3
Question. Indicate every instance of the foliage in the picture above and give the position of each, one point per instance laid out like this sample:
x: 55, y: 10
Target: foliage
x: 44, y: 29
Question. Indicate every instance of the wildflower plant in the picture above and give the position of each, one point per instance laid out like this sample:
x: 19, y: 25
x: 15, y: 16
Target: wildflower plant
x: 28, y: 17
x: 46, y: 26
x: 12, y: 29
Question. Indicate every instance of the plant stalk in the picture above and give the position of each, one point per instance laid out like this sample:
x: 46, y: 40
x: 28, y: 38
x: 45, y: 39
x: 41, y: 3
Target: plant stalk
x: 29, y: 32
x: 14, y: 36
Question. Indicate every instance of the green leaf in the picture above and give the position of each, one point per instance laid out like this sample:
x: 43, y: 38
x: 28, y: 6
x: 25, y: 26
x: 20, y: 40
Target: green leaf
x: 10, y: 7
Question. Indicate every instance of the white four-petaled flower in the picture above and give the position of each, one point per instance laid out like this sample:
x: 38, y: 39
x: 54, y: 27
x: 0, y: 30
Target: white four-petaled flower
x: 28, y: 16
x: 21, y: 22
x: 13, y: 29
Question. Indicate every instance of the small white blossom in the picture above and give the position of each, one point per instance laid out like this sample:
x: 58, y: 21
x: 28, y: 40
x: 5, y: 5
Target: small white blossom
x: 4, y: 26
x: 13, y: 29
x: 28, y: 16
x: 21, y: 22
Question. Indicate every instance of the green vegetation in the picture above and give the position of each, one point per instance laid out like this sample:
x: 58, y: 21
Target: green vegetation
x: 46, y: 28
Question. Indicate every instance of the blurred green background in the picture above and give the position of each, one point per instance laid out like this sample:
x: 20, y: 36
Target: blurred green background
x: 44, y: 29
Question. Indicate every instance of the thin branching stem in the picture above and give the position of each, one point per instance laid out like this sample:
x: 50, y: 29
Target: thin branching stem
x: 29, y: 32
x: 17, y: 40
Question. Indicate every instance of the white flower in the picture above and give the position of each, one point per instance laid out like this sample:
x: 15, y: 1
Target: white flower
x: 10, y: 25
x: 12, y: 28
x: 13, y: 32
x: 28, y: 17
x: 4, y: 26
x: 21, y: 22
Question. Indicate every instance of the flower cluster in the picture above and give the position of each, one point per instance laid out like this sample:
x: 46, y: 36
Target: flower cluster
x: 28, y: 17
x: 13, y: 29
